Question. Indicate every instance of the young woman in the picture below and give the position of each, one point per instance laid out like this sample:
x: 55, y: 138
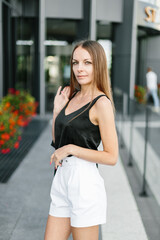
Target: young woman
x: 83, y: 115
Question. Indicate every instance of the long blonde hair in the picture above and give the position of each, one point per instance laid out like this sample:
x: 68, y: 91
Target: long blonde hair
x: 100, y: 71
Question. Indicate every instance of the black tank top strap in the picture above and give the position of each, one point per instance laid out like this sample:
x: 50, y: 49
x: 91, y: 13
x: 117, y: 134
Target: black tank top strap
x: 95, y: 100
x: 74, y: 93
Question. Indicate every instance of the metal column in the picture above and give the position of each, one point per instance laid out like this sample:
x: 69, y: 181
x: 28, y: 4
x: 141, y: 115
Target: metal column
x: 133, y: 49
x: 42, y: 54
x: 93, y: 20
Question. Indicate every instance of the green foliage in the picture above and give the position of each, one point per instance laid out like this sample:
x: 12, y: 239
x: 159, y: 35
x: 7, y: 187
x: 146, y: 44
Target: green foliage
x: 140, y: 94
x: 16, y: 110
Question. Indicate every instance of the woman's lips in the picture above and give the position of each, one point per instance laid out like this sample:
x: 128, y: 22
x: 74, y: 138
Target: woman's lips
x: 81, y: 76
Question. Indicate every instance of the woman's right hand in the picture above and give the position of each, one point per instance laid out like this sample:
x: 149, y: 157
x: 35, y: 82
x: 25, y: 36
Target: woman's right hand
x: 61, y: 98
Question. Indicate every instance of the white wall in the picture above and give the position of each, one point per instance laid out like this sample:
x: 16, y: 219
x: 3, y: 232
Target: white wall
x: 110, y: 10
x: 72, y: 9
x: 107, y: 10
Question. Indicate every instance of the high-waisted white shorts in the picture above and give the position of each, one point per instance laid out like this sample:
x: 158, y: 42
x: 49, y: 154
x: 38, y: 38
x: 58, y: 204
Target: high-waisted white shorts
x: 78, y: 192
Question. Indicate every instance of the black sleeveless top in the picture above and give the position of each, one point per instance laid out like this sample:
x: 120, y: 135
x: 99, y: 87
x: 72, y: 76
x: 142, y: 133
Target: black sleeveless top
x: 76, y: 128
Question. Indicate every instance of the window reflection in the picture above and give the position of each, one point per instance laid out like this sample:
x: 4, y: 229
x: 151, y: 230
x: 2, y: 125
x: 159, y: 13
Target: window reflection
x: 57, y: 71
x: 60, y: 36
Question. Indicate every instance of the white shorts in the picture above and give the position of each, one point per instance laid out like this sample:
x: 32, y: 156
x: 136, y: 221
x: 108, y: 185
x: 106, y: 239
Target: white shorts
x: 78, y: 192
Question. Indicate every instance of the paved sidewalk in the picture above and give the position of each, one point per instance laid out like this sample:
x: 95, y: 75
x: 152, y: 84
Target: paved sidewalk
x: 153, y: 157
x: 24, y: 201
x: 124, y: 220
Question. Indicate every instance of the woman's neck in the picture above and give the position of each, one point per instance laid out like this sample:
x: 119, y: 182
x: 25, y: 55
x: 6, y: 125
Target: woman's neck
x: 88, y: 91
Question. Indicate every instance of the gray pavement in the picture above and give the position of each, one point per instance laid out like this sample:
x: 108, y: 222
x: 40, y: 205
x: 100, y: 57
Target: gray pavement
x: 124, y: 220
x: 148, y: 198
x: 138, y: 144
x: 24, y: 201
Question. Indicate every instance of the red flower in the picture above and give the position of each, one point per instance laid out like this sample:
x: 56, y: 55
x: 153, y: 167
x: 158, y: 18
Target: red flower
x: 5, y: 136
x: 7, y: 104
x: 26, y: 122
x: 16, y: 145
x: 19, y: 138
x: 11, y: 90
x: 16, y: 112
x: 17, y: 92
x: 4, y: 151
x: 2, y: 127
x: 20, y: 122
x: 12, y: 121
x: 11, y: 127
x: 1, y: 142
x: 20, y: 117
x: 12, y: 133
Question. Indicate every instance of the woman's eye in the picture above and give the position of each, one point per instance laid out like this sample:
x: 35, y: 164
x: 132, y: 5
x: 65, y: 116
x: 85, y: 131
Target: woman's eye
x: 87, y: 62
x: 74, y: 63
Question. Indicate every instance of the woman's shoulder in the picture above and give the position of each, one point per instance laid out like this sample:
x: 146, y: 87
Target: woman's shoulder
x: 102, y: 99
x: 103, y: 103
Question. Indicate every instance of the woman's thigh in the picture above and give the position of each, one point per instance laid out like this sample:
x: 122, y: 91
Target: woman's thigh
x: 57, y: 228
x: 85, y: 233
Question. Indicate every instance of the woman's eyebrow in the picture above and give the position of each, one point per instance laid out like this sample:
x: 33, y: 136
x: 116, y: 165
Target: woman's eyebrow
x: 83, y: 59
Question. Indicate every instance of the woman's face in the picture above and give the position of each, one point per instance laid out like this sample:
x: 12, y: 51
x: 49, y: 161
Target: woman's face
x: 82, y: 66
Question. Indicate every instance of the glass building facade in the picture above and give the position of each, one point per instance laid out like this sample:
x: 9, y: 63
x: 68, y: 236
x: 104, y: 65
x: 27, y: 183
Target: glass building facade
x: 20, y: 46
x: 37, y: 37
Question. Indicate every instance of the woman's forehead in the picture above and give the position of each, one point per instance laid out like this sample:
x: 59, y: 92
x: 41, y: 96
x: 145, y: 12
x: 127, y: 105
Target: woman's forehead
x: 81, y: 53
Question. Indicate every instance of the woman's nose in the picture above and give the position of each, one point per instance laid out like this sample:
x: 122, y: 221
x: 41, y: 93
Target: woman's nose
x: 80, y: 67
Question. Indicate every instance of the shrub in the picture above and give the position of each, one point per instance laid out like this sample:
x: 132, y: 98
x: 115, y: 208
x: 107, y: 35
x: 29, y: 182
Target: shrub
x: 21, y: 103
x: 16, y: 110
x: 140, y: 94
x: 9, y: 132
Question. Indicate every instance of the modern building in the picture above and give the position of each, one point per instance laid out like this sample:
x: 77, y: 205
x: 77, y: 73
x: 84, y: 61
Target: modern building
x: 37, y: 37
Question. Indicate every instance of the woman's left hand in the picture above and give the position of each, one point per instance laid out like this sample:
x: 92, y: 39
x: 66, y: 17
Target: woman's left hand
x: 59, y: 154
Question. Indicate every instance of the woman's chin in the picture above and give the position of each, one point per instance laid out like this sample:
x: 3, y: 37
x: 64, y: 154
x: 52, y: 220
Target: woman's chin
x: 83, y: 83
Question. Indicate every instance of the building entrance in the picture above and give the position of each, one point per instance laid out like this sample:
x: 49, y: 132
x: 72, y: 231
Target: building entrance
x: 60, y: 37
x: 57, y: 70
x: 148, y: 53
